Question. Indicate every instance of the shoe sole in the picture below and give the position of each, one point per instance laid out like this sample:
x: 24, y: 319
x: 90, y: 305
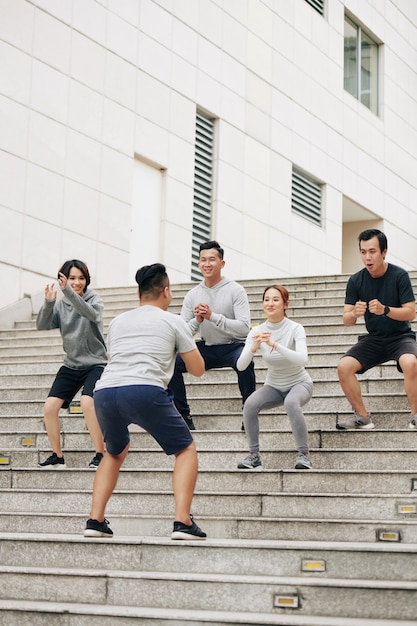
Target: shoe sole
x: 249, y: 467
x: 89, y: 532
x: 364, y: 427
x: 412, y: 426
x: 179, y: 534
x: 303, y: 467
x: 58, y: 466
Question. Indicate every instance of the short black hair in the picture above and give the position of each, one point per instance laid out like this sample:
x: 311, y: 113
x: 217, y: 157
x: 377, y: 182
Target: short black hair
x: 208, y: 245
x: 80, y: 265
x: 365, y: 235
x: 152, y: 279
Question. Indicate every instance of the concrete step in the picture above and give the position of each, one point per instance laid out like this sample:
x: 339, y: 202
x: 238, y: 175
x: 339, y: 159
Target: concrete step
x: 226, y: 398
x: 26, y: 418
x: 371, y: 506
x: 232, y: 440
x: 223, y: 480
x: 314, y: 323
x: 310, y: 595
x: 34, y: 346
x: 223, y: 460
x: 384, y: 561
x: 13, y: 414
x: 14, y: 384
x: 224, y: 527
x: 77, y: 614
x: 26, y: 373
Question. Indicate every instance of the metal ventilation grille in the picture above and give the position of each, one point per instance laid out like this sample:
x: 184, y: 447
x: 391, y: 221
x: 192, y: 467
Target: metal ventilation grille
x: 306, y: 197
x: 203, y: 187
x: 317, y: 4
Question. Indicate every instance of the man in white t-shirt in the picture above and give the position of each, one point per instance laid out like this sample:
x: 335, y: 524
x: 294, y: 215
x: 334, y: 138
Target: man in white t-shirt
x: 142, y: 345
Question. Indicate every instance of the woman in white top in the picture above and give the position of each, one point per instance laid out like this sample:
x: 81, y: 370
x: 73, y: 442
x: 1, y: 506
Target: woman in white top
x: 283, y: 345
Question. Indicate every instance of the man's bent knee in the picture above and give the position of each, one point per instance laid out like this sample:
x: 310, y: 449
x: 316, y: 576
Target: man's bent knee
x: 408, y: 364
x: 189, y: 449
x: 348, y: 366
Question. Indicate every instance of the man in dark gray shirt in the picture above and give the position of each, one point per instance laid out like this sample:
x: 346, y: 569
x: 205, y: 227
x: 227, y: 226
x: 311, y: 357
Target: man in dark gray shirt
x: 383, y: 293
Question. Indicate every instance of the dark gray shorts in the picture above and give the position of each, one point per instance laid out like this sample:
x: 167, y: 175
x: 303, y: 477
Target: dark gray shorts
x: 371, y: 351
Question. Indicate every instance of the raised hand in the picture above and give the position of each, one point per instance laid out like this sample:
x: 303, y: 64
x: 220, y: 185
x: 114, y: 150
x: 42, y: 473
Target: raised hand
x: 50, y: 293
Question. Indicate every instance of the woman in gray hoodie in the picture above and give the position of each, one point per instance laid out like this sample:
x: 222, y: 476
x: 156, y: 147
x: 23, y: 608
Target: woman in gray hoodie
x: 79, y: 317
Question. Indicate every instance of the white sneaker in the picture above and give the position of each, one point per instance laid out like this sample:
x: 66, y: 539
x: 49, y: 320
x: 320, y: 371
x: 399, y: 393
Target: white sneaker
x: 356, y: 421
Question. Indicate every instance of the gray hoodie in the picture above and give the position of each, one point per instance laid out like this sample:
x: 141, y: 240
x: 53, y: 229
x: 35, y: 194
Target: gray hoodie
x: 80, y: 321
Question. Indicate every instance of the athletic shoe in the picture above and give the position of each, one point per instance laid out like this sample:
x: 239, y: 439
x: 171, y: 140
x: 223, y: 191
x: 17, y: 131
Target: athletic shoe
x: 183, y: 531
x: 94, y: 528
x: 413, y: 422
x: 95, y: 461
x: 189, y: 421
x: 252, y: 461
x: 303, y: 462
x: 356, y: 421
x: 53, y: 462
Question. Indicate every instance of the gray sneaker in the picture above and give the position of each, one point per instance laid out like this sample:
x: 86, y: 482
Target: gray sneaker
x: 303, y: 461
x: 413, y: 421
x: 356, y: 421
x: 252, y: 461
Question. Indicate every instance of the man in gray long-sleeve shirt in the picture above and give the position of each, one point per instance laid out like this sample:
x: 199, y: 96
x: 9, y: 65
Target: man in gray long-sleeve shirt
x: 219, y: 309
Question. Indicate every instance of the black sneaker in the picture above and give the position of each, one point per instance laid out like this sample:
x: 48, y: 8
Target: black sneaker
x: 95, y: 461
x: 189, y: 421
x: 182, y: 531
x: 53, y: 462
x: 93, y: 528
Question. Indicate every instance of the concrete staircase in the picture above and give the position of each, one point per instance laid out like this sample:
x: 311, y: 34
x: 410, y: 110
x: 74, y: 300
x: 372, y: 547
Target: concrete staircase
x: 333, y: 546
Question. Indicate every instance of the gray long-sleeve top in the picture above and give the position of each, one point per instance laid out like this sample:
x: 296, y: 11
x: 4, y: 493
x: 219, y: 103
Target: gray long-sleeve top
x: 80, y: 321
x: 230, y: 319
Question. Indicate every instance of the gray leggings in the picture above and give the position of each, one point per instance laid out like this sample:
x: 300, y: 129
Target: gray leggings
x: 268, y: 397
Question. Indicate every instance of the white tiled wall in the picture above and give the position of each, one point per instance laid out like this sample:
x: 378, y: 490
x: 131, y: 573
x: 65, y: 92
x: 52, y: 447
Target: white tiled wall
x: 85, y: 85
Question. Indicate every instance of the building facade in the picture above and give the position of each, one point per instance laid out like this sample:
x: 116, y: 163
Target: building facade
x: 131, y: 130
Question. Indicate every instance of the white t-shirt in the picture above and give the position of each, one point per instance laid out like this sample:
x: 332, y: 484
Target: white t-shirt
x: 142, y: 344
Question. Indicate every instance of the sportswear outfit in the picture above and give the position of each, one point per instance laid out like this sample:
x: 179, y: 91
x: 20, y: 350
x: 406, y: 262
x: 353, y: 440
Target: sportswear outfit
x: 387, y: 339
x: 80, y: 322
x: 287, y: 382
x: 222, y: 337
x: 142, y: 344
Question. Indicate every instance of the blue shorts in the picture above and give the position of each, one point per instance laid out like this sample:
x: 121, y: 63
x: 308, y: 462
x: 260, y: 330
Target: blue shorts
x: 371, y: 350
x: 68, y: 381
x: 148, y: 406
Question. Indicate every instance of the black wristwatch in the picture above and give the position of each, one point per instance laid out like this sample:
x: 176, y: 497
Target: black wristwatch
x: 386, y: 310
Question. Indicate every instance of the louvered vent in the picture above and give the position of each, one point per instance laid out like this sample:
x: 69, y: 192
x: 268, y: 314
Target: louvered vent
x: 317, y: 4
x: 203, y: 187
x: 306, y: 197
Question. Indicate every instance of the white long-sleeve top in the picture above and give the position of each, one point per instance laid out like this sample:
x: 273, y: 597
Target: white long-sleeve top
x: 286, y: 363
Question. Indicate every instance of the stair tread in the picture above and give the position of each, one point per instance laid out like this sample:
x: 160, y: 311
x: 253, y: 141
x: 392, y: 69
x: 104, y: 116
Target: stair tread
x: 201, y: 616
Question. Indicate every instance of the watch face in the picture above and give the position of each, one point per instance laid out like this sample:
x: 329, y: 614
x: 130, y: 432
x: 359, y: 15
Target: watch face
x: 386, y: 310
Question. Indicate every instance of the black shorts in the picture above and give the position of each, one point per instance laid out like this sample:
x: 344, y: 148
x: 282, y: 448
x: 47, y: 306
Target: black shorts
x: 371, y: 351
x: 69, y: 381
